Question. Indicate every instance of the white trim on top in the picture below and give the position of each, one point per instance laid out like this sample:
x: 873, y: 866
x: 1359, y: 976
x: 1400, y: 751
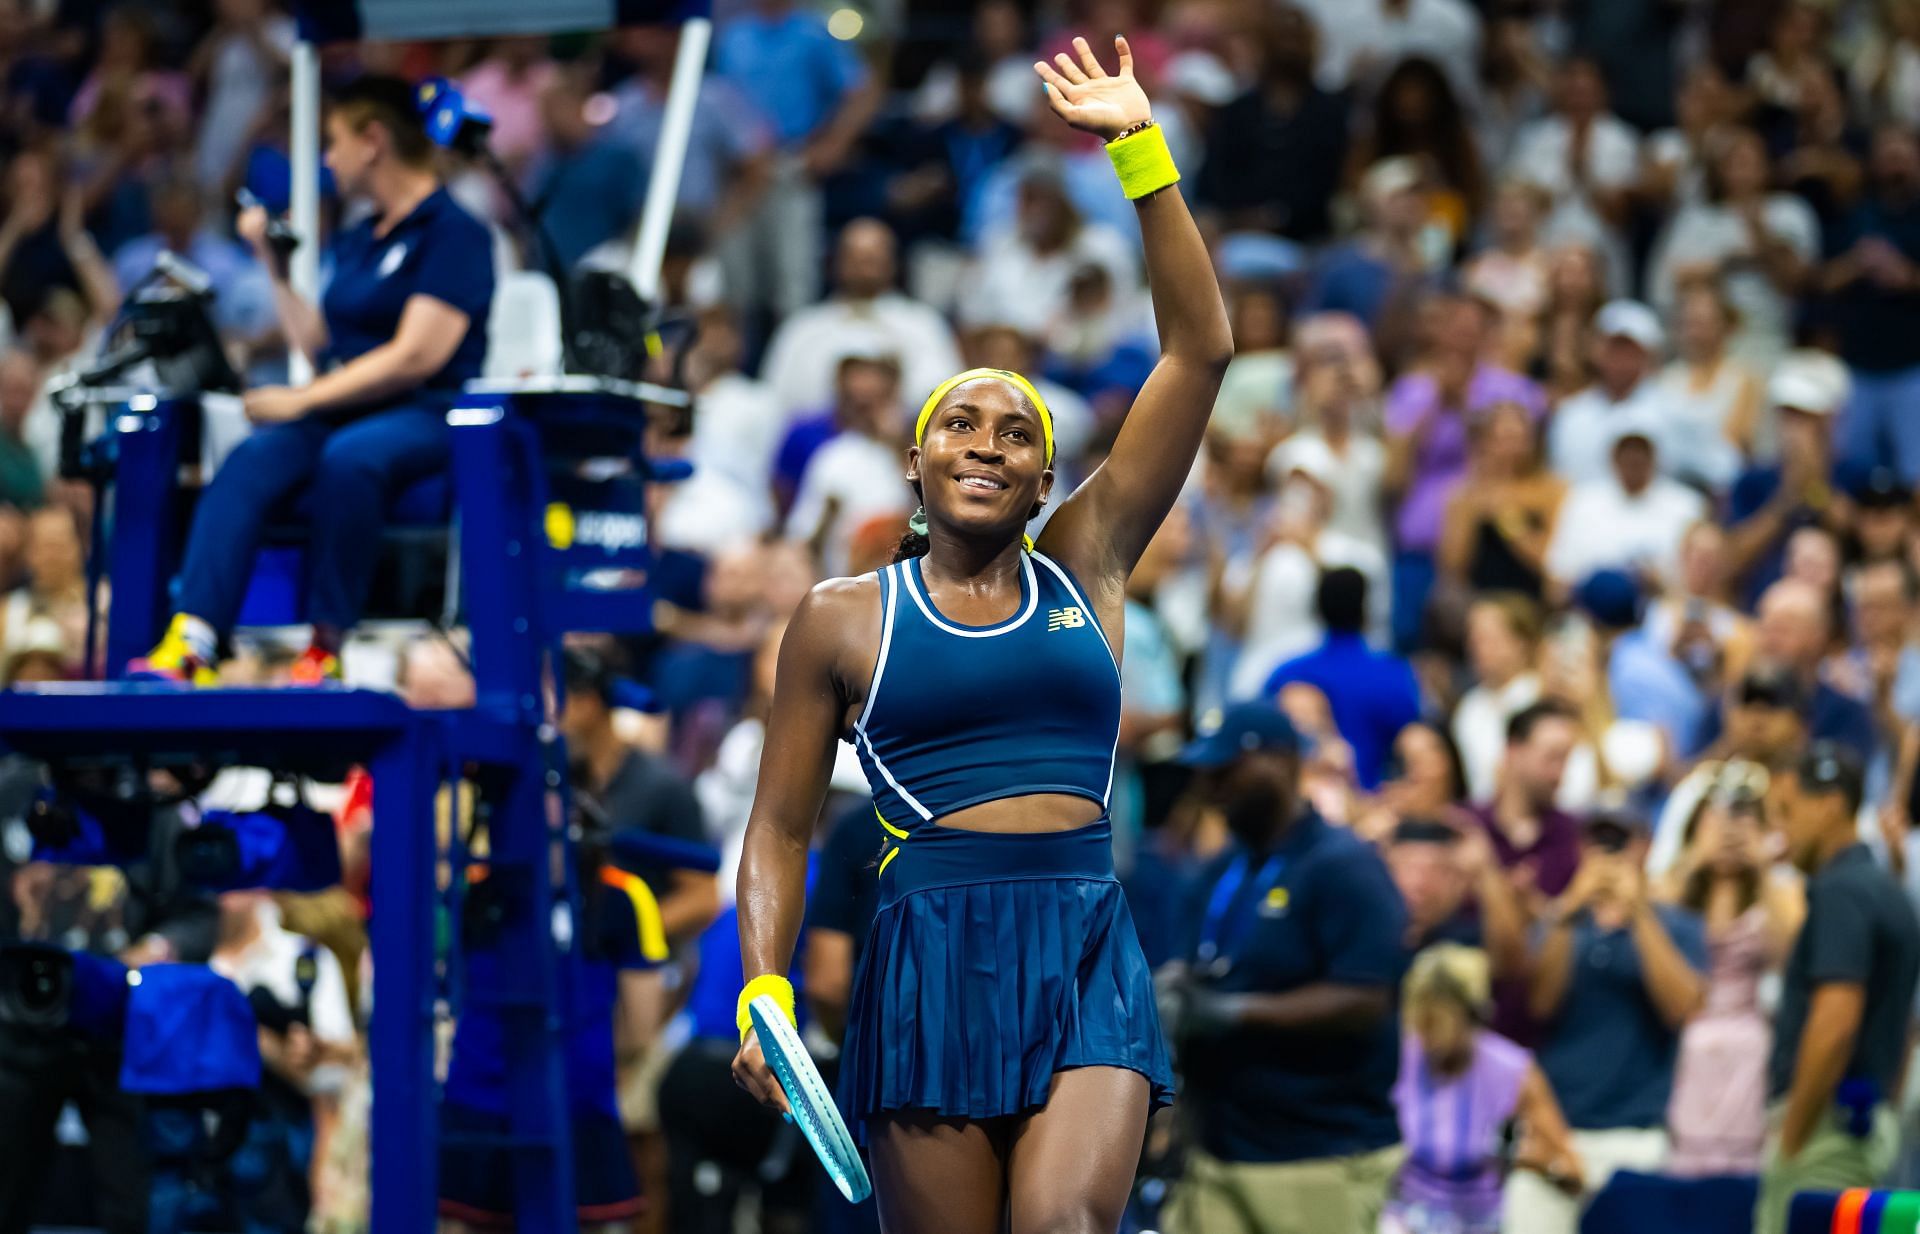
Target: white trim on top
x: 1007, y: 627
x: 912, y: 801
x: 889, y: 590
x: 1060, y: 573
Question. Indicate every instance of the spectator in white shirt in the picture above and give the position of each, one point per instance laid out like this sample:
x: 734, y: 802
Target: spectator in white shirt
x: 1587, y: 159
x: 860, y: 475
x: 799, y: 366
x: 1026, y: 272
x: 1331, y: 444
x: 1716, y: 395
x: 1503, y: 641
x: 1360, y: 40
x: 728, y: 498
x: 1625, y: 354
x: 1632, y: 519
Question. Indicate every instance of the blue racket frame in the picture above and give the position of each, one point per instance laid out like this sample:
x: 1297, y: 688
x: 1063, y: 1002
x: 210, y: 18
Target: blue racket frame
x: 812, y: 1102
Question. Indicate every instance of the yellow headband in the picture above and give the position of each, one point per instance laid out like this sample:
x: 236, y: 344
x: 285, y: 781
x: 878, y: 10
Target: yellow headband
x: 973, y: 374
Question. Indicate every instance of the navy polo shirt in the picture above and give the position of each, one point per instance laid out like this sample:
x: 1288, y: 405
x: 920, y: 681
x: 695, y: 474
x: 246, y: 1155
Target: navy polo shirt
x: 439, y: 250
x: 1607, y: 1052
x: 1334, y: 916
x: 1373, y: 695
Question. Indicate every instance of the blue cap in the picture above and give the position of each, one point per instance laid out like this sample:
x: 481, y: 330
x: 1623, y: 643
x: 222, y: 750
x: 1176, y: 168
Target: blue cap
x: 1244, y: 728
x: 1611, y: 598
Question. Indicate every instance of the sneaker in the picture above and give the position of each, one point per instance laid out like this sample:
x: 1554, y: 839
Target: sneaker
x: 174, y: 660
x: 316, y: 667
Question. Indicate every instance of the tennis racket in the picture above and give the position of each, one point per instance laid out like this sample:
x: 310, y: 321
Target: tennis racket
x: 813, y: 1109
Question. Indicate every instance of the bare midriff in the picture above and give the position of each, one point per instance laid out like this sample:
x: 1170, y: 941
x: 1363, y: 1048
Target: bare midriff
x: 1027, y: 815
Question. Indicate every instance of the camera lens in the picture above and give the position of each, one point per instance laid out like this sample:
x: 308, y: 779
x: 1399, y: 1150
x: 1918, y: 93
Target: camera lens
x: 36, y: 987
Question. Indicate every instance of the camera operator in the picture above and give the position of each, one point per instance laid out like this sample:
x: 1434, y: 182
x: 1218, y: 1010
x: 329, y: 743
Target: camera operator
x: 307, y: 1041
x: 403, y: 323
x: 142, y: 916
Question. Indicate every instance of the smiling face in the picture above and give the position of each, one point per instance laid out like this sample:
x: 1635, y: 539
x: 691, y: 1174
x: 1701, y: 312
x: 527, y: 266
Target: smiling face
x: 982, y: 466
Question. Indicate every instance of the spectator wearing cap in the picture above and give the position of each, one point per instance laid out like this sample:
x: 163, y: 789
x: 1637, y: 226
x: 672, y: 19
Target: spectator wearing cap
x: 1770, y: 501
x: 1282, y: 619
x: 1631, y: 518
x: 856, y: 477
x: 1795, y: 631
x: 1842, y: 1028
x: 1615, y: 979
x: 1284, y: 1012
x: 1625, y: 395
x: 1875, y: 287
x: 1645, y: 681
x: 1882, y: 517
x: 1373, y: 693
x: 799, y: 365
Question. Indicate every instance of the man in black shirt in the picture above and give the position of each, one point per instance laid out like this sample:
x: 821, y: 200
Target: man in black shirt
x: 617, y: 787
x: 1845, y: 1006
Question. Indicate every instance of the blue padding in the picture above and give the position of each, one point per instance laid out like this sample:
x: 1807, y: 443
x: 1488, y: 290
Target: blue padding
x: 100, y: 991
x: 281, y: 850
x: 634, y: 847
x: 1652, y: 1204
x: 189, y: 1030
x: 1811, y: 1212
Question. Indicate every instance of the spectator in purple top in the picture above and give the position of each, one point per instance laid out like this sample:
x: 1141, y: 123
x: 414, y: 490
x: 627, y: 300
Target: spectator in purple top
x: 1460, y: 1084
x: 1427, y: 411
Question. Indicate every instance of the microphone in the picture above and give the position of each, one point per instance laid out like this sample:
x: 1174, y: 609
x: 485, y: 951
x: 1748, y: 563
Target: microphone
x: 197, y: 281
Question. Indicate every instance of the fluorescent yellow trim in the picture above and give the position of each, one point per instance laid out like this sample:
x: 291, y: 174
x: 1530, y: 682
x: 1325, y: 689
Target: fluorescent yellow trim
x: 891, y: 830
x: 888, y: 859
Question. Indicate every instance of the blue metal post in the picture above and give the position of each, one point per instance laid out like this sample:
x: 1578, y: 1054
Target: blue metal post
x: 405, y: 1156
x: 145, y: 513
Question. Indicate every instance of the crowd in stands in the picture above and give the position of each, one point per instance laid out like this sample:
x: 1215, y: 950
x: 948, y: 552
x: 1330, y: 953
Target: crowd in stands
x: 1561, y: 494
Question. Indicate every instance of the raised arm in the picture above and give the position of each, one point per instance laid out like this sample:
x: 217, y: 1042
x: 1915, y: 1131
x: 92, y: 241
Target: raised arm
x: 809, y: 701
x: 1104, y: 526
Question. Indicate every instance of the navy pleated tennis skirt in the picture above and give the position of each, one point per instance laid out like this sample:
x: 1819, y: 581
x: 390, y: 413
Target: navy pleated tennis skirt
x: 995, y: 961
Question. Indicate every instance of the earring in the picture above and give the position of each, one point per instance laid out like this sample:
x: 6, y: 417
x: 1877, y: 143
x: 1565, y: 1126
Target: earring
x: 918, y: 523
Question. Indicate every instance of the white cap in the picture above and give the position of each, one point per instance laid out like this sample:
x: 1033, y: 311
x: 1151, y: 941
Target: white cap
x: 1304, y: 455
x: 1202, y: 77
x: 1630, y: 319
x: 1810, y: 381
x: 1389, y: 176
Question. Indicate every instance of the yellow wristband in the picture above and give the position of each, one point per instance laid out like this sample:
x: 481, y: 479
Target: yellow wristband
x: 765, y: 983
x: 1143, y: 162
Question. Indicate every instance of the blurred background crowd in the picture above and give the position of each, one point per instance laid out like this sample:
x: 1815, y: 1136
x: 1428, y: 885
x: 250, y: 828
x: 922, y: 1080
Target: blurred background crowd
x: 1561, y: 491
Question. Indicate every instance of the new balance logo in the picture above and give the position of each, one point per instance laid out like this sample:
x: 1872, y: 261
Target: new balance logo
x: 1065, y: 619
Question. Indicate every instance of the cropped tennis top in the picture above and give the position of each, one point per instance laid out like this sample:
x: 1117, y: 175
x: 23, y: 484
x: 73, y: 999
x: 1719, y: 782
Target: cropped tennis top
x: 959, y: 715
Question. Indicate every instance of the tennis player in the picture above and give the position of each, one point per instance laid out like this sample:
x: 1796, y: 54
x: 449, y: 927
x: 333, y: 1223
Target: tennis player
x: 1002, y: 1051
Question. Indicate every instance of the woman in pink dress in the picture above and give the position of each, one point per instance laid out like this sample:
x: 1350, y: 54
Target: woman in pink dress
x: 1718, y: 1113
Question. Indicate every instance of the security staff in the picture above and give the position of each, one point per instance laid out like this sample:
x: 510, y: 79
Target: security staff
x: 402, y: 325
x: 1285, y: 1009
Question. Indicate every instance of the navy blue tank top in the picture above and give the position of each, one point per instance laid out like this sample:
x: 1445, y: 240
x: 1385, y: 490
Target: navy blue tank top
x: 958, y: 715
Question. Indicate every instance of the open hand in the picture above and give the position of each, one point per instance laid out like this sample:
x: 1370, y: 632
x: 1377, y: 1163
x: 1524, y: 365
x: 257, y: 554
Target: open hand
x: 1087, y: 98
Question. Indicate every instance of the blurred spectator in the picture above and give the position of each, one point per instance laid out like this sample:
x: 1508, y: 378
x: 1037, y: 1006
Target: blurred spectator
x: 1758, y: 243
x: 56, y: 586
x: 1503, y: 516
x: 1032, y: 272
x: 801, y: 358
x: 617, y: 787
x: 1842, y: 1032
x: 1274, y: 156
x: 1795, y: 52
x: 1643, y: 679
x: 237, y: 66
x: 1715, y: 395
x: 21, y: 483
x: 1627, y: 346
x: 1460, y: 1086
x: 818, y: 96
x: 243, y: 305
x: 727, y: 500
x: 1422, y: 781
x: 1794, y: 632
x: 1577, y: 284
x: 1373, y: 693
x: 1511, y: 271
x: 1637, y: 45
x: 1284, y: 1015
x: 1631, y: 519
x: 729, y: 151
x: 1875, y: 284
x: 1823, y: 153
x: 1618, y: 756
x: 1390, y: 259
x: 1882, y: 518
x: 1692, y: 621
x: 999, y: 44
x: 1718, y: 1114
x: 586, y: 187
x: 1153, y: 694
x: 1534, y: 841
x: 1516, y: 77
x: 1885, y: 74
x: 307, y: 1040
x: 1615, y: 979
x: 947, y: 163
x: 44, y: 250
x: 1418, y: 115
x: 509, y: 83
x: 1503, y: 637
x: 127, y: 68
x: 1585, y: 157
x: 1676, y: 158
x: 1331, y: 439
x: 859, y: 475
x: 1771, y: 501
x: 1361, y: 41
x: 1259, y: 393
x: 1281, y: 618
